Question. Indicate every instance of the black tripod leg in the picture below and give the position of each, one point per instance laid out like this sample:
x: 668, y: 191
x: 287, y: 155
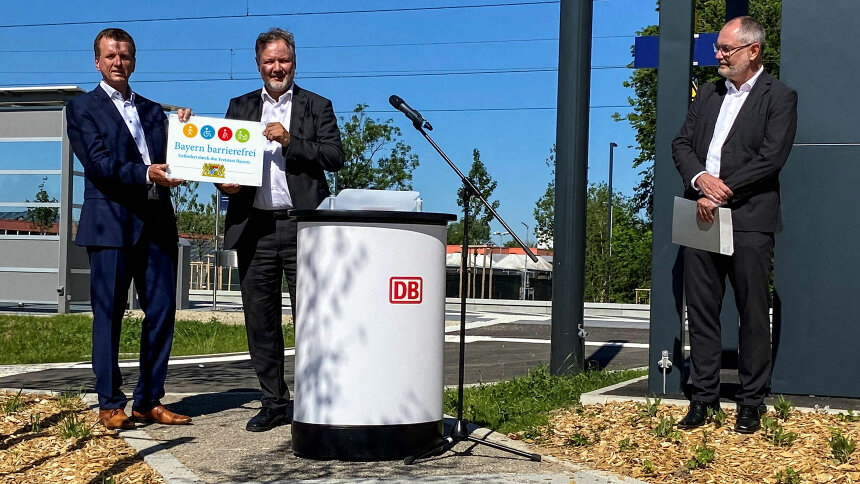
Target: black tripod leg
x: 533, y: 457
x: 439, y: 446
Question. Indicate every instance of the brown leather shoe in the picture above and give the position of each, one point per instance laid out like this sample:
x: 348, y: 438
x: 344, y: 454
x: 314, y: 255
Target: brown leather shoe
x: 115, y: 418
x: 161, y: 415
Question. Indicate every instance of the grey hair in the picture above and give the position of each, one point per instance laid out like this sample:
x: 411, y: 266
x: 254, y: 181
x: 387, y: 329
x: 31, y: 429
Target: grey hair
x: 272, y: 35
x: 750, y: 31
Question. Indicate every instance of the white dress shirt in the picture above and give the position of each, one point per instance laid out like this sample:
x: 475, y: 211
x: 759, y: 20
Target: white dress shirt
x: 732, y: 103
x: 128, y: 111
x: 274, y: 193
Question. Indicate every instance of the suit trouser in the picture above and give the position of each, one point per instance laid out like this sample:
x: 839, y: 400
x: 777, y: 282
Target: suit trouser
x: 748, y: 270
x: 152, y: 266
x: 267, y: 255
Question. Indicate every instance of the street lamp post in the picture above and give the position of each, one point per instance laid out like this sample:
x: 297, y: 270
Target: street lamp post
x: 609, y: 229
x: 525, y: 265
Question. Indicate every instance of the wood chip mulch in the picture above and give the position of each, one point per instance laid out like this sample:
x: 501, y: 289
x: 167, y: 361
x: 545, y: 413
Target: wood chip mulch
x: 27, y: 456
x: 590, y: 435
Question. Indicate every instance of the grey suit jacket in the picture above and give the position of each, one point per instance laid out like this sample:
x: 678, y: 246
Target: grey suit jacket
x: 315, y: 147
x: 753, y: 154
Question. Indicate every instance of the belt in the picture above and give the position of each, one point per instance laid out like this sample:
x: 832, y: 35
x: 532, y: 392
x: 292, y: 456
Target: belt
x: 275, y: 214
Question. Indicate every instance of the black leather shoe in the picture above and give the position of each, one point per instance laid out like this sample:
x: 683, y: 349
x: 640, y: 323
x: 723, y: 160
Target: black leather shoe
x: 268, y: 419
x: 749, y: 419
x: 698, y: 414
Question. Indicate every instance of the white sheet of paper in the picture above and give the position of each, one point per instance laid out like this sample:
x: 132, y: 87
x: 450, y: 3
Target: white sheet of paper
x: 688, y: 231
x: 216, y: 150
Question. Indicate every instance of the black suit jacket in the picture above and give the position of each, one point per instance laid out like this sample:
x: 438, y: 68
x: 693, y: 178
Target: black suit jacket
x: 753, y: 154
x: 314, y: 148
x: 116, y: 196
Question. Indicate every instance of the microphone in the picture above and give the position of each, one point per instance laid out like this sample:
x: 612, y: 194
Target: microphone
x: 413, y: 115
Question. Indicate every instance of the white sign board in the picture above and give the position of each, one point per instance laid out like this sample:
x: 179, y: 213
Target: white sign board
x: 216, y: 150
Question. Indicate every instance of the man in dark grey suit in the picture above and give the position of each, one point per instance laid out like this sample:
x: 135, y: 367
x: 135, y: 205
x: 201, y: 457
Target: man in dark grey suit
x: 303, y: 143
x: 729, y: 152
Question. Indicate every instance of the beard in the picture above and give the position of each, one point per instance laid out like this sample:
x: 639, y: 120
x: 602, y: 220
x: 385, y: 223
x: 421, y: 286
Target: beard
x: 279, y: 86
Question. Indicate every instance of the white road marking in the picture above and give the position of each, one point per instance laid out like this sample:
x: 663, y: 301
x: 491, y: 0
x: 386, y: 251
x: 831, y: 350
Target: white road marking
x: 479, y: 339
x: 499, y: 319
x: 179, y: 361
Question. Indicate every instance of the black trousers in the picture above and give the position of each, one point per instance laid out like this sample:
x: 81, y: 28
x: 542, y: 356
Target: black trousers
x: 267, y: 255
x: 748, y: 270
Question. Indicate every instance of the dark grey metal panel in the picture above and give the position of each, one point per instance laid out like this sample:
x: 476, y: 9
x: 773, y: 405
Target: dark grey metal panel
x: 31, y: 124
x: 815, y: 317
x: 78, y: 287
x: 673, y: 97
x: 571, y: 185
x: 816, y: 263
x: 819, y: 60
x: 736, y: 8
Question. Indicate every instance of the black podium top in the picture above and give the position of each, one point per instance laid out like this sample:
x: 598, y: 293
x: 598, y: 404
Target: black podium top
x: 373, y: 216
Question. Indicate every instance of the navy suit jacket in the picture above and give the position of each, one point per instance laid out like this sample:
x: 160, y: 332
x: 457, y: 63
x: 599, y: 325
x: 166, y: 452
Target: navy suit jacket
x: 753, y: 154
x: 315, y: 147
x: 117, y: 200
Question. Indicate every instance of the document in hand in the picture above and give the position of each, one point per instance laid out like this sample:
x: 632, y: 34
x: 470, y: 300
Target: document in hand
x: 689, y: 231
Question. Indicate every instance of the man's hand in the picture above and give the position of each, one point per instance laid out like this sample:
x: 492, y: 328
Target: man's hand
x: 713, y: 188
x: 705, y: 210
x: 228, y: 188
x: 277, y: 132
x: 158, y: 174
x: 184, y: 114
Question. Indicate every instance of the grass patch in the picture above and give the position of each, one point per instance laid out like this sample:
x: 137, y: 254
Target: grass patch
x: 665, y: 429
x: 74, y: 427
x: 70, y: 398
x: 788, y: 476
x: 14, y: 404
x: 776, y: 433
x: 841, y: 447
x: 526, y: 401
x: 64, y: 338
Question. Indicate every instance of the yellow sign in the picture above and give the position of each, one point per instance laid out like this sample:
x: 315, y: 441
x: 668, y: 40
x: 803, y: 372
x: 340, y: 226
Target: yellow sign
x: 189, y: 130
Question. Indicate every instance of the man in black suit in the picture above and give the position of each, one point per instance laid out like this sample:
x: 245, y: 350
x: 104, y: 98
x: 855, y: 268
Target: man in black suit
x: 729, y: 152
x: 303, y: 143
x: 128, y: 227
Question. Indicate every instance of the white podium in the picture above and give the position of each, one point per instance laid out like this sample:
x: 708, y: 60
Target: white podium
x: 370, y: 318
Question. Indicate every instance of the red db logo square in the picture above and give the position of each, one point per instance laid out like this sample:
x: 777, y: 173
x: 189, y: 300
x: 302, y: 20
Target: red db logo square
x: 405, y: 290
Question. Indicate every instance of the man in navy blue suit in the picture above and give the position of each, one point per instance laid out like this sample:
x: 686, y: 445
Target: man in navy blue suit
x: 128, y: 227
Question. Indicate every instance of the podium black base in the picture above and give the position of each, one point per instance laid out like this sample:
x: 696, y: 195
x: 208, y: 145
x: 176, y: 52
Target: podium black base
x: 363, y: 442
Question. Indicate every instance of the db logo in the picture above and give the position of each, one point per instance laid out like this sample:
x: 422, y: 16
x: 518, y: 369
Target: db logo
x: 405, y: 290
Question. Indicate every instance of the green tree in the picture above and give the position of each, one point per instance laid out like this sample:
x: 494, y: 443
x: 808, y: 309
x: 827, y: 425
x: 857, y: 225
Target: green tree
x: 545, y: 207
x: 479, y: 215
x: 630, y: 264
x: 710, y: 17
x: 42, y: 218
x: 374, y: 156
x: 195, y: 220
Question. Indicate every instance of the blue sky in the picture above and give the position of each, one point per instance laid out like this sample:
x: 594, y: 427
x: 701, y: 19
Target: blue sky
x: 355, y: 58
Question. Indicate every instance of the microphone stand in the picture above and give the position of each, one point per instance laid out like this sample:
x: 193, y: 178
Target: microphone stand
x: 460, y: 431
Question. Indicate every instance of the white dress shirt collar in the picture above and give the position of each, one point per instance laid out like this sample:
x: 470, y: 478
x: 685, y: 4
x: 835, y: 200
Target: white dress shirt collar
x: 114, y: 94
x: 285, y: 97
x: 747, y: 86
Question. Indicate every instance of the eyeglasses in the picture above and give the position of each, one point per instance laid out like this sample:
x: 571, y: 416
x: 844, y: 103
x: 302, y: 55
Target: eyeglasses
x: 728, y: 50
